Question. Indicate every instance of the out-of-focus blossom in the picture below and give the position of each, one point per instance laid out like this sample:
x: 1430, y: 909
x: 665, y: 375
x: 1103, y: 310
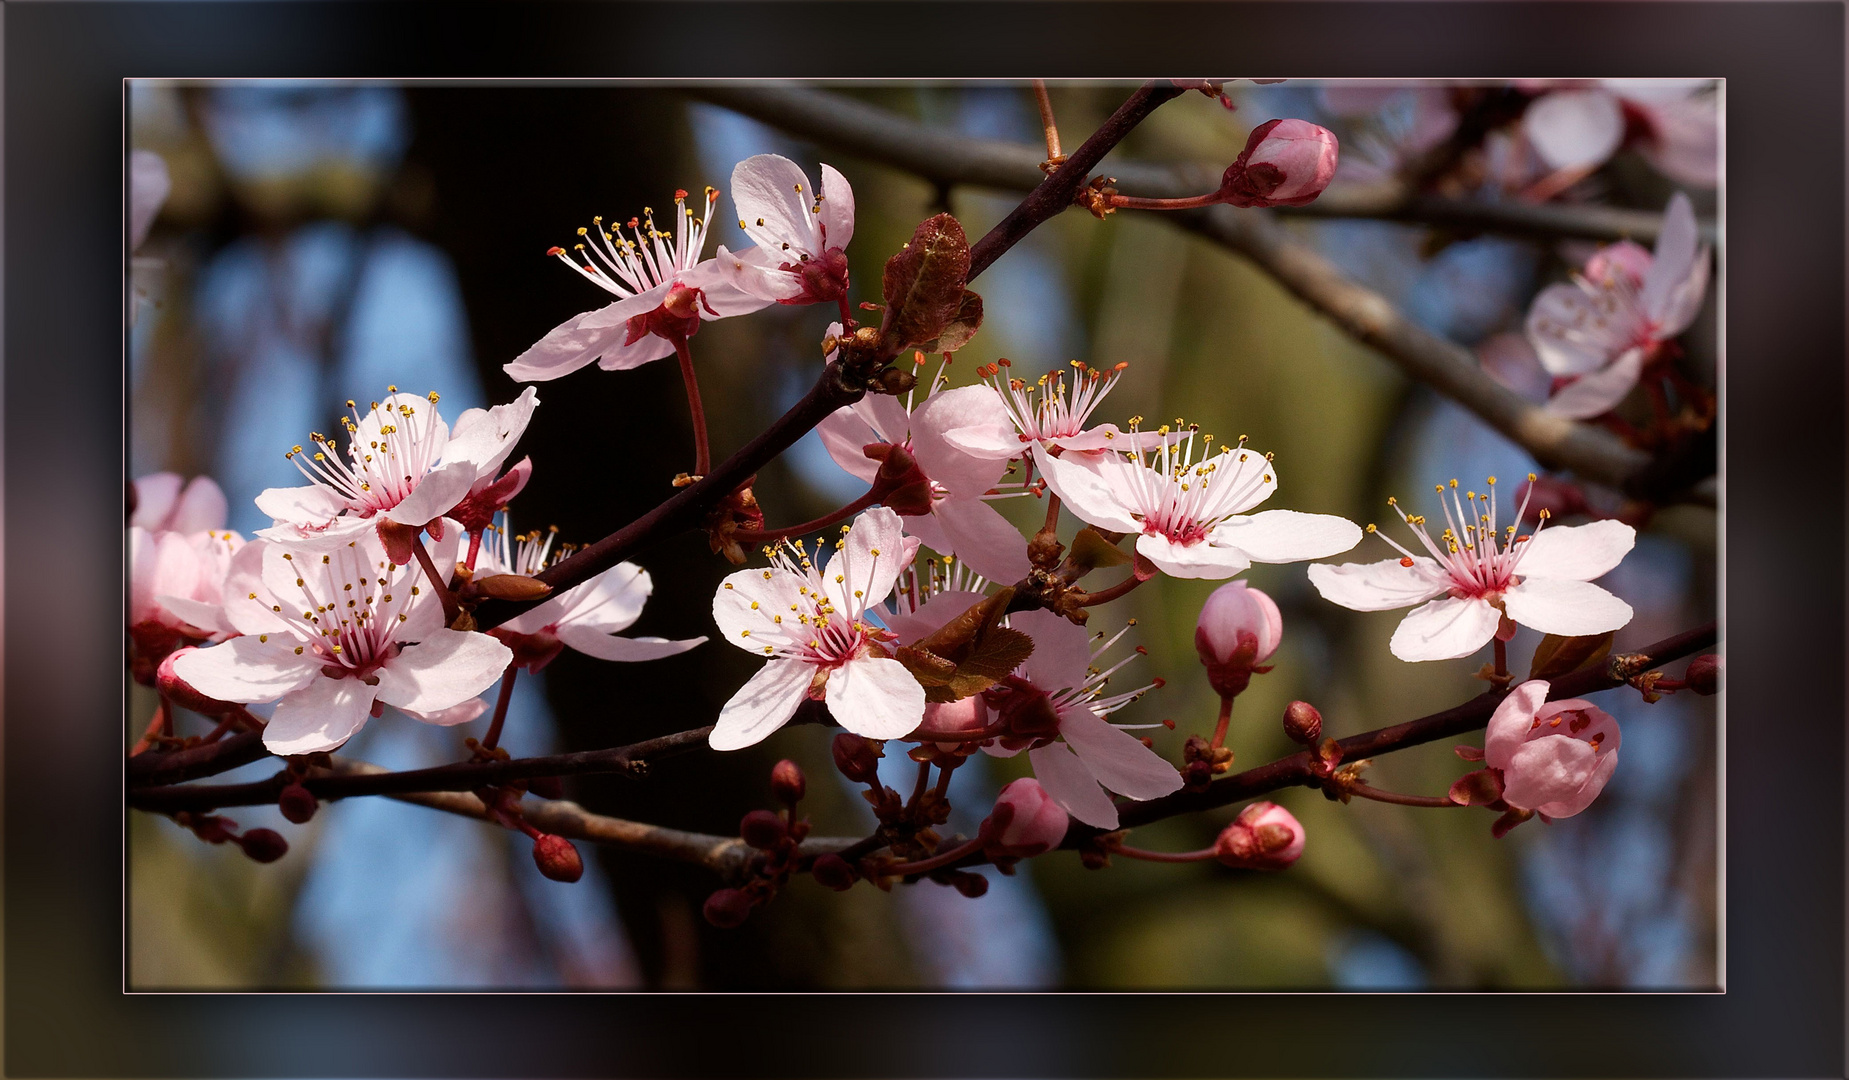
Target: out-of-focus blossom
x: 663, y: 288
x: 1606, y: 326
x: 1554, y: 757
x: 585, y: 617
x: 1035, y: 821
x: 1284, y: 163
x: 333, y: 636
x: 178, y: 553
x: 1238, y: 630
x: 937, y: 433
x: 1044, y: 412
x: 1055, y: 703
x: 164, y: 502
x: 1190, y: 516
x: 1486, y: 579
x: 1390, y: 126
x: 1264, y: 836
x: 801, y: 232
x: 148, y: 188
x: 402, y: 462
x: 810, y: 622
x: 1673, y: 123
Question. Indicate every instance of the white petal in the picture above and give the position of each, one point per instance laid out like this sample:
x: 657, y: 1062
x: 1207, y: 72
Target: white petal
x: 444, y: 669
x: 311, y: 505
x: 197, y: 613
x: 1557, y: 309
x: 201, y: 507
x: 484, y: 437
x: 1445, y: 629
x: 747, y: 602
x: 837, y: 208
x: 1072, y: 786
x: 867, y: 564
x: 1601, y: 391
x: 1282, y: 536
x: 605, y: 646
x: 581, y: 339
x: 1565, y: 607
x: 983, y: 539
x: 1086, y: 492
x: 646, y: 350
x: 762, y: 705
x: 1201, y: 559
x: 844, y: 432
x: 608, y: 602
x: 875, y: 697
x: 1062, y: 650
x: 246, y: 669
x: 960, y: 472
x: 1117, y: 758
x: 1380, y: 586
x: 155, y: 495
x: 1674, y: 258
x: 1685, y: 297
x: 248, y: 600
x: 1576, y: 552
x: 435, y: 495
x: 1509, y: 724
x: 774, y: 189
x: 1574, y: 128
x: 720, y: 296
x: 319, y: 716
x: 755, y: 274
x: 452, y: 716
x: 987, y: 442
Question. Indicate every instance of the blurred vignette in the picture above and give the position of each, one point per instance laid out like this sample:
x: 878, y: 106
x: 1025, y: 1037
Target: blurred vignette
x: 297, y: 244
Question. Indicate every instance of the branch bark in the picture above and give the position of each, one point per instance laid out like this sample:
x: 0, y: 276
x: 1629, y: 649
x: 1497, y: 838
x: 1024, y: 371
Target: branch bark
x: 1555, y: 441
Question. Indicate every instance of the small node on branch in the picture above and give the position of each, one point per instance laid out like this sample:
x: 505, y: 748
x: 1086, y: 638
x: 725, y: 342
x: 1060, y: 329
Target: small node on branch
x: 970, y: 885
x: 297, y: 804
x: 833, y: 872
x: 1704, y: 674
x: 1303, y: 723
x: 762, y: 829
x: 557, y: 858
x: 858, y: 758
x: 787, y: 782
x: 263, y: 845
x: 727, y: 908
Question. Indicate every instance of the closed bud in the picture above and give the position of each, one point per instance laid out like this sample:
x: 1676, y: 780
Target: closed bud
x: 970, y: 885
x: 1238, y: 630
x: 1026, y: 821
x: 787, y: 782
x: 1284, y: 163
x: 1263, y: 837
x: 832, y: 872
x: 296, y: 803
x: 1704, y: 674
x: 263, y: 845
x: 512, y: 587
x: 181, y: 693
x: 557, y: 859
x: 762, y: 829
x: 857, y: 758
x: 1303, y: 723
x: 727, y: 908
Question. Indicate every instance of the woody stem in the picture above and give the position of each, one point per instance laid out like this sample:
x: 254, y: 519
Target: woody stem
x: 1103, y: 596
x: 942, y: 858
x: 1162, y: 856
x: 160, y: 724
x: 1046, y: 120
x: 1226, y: 716
x: 1502, y: 658
x: 1376, y: 794
x: 702, y: 454
x: 767, y: 536
x: 437, y: 581
x: 500, y: 706
x: 1193, y: 202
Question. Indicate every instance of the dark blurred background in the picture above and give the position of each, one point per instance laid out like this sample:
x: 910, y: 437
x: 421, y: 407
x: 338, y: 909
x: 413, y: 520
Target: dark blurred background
x: 323, y: 240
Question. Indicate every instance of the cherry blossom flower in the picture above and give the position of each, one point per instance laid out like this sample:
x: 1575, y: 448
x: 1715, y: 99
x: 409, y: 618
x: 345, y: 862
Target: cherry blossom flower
x: 164, y: 502
x: 936, y: 432
x: 801, y: 232
x: 1056, y: 703
x: 1553, y: 757
x: 333, y: 636
x: 811, y: 623
x: 1672, y: 123
x: 1479, y: 579
x: 175, y: 597
x: 1190, y: 516
x: 1035, y: 822
x: 1605, y: 327
x: 585, y: 617
x: 403, y: 463
x: 1044, y: 412
x: 663, y: 289
x: 1238, y: 630
x: 1284, y: 163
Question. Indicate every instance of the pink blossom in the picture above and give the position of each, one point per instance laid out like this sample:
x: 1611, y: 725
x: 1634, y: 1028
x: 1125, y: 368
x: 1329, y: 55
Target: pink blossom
x: 1045, y: 413
x: 1284, y: 163
x: 403, y: 463
x: 1673, y: 123
x: 176, y: 582
x: 1055, y: 703
x: 810, y: 623
x: 1602, y: 329
x: 1034, y: 821
x: 1483, y: 574
x: 663, y: 288
x: 936, y: 432
x: 1264, y: 836
x: 1554, y: 758
x: 1190, y: 516
x: 801, y: 238
x: 1238, y: 630
x: 585, y: 617
x: 164, y: 502
x: 333, y: 635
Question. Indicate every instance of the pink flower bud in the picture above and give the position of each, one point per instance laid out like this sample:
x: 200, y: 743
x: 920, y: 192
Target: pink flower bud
x: 1555, y: 757
x: 727, y: 908
x: 762, y: 829
x: 1263, y: 837
x: 1704, y: 674
x: 181, y: 693
x: 557, y: 859
x: 1303, y: 723
x: 297, y: 804
x: 1285, y: 163
x: 787, y: 782
x: 832, y: 872
x: 1026, y: 821
x: 1238, y: 630
x: 970, y: 885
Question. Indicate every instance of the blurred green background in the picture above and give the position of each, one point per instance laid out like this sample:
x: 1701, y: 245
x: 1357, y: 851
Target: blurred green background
x: 322, y: 238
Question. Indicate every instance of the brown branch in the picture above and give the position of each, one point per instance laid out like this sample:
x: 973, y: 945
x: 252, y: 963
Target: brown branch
x: 154, y: 767
x: 946, y: 159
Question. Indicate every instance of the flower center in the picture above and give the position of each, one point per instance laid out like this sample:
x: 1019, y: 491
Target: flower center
x: 345, y: 610
x: 389, y: 449
x: 1044, y: 410
x: 1475, y: 559
x: 648, y: 257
